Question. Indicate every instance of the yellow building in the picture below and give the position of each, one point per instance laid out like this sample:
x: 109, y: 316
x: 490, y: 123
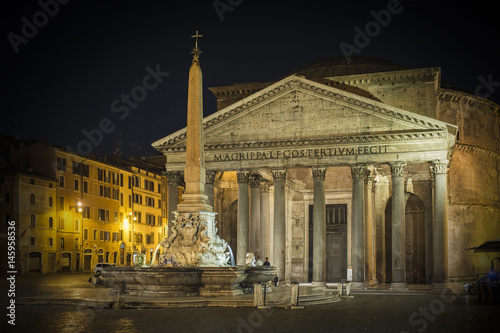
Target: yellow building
x: 85, y: 210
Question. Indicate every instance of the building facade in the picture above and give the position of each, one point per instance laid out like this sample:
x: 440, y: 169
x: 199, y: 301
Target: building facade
x: 72, y: 212
x: 365, y: 164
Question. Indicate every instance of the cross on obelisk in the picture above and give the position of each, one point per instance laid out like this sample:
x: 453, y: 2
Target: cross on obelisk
x: 194, y: 198
x: 196, y: 51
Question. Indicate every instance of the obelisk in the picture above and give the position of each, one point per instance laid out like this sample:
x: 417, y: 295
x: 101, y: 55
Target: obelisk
x: 194, y: 198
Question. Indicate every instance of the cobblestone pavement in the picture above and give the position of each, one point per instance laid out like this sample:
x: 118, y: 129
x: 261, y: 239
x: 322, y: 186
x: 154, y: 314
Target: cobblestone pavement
x: 362, y: 313
x: 367, y: 312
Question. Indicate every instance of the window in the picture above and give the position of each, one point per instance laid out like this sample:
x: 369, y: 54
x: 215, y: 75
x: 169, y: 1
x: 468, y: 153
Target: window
x: 336, y: 214
x: 138, y: 198
x: 51, y: 223
x: 76, y: 185
x: 116, y: 194
x: 95, y: 234
x: 100, y: 174
x: 150, y: 202
x: 150, y: 219
x: 116, y: 179
x: 115, y: 237
x: 138, y: 238
x: 101, y: 235
x: 129, y: 201
x: 50, y: 202
x: 85, y: 168
x: 61, y: 203
x: 62, y: 243
x: 159, y: 220
x: 137, y: 217
x: 32, y: 181
x: 121, y: 180
x: 32, y: 199
x: 85, y: 234
x: 61, y: 164
x: 77, y: 225
x: 121, y: 199
x: 61, y: 223
x: 77, y: 243
x: 61, y: 181
x: 51, y: 242
x: 103, y: 214
x: 33, y: 221
x: 149, y: 185
x: 148, y: 239
x: 107, y: 236
x: 85, y: 187
x: 116, y: 216
x: 76, y: 168
x: 86, y: 212
x: 32, y: 241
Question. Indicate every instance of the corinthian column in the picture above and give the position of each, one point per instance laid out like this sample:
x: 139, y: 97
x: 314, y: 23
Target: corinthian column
x: 369, y: 253
x: 265, y: 216
x: 319, y: 227
x: 243, y: 214
x: 255, y: 239
x: 398, y: 227
x: 440, y: 230
x: 279, y: 177
x: 358, y: 249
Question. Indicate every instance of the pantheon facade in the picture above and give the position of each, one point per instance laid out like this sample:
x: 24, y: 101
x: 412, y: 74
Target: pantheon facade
x: 365, y: 168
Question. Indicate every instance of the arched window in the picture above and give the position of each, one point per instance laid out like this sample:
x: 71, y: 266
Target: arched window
x: 50, y: 201
x: 32, y: 198
x: 33, y: 221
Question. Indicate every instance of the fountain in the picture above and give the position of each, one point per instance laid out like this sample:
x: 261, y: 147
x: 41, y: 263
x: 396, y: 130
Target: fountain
x: 194, y: 260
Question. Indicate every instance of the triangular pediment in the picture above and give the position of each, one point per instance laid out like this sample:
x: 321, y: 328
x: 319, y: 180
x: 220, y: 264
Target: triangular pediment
x: 297, y: 109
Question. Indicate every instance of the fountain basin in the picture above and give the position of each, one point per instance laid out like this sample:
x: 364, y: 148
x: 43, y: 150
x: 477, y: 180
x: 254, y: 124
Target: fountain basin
x: 187, y: 281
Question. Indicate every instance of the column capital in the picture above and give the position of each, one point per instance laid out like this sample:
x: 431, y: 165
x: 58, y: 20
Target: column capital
x: 242, y: 176
x: 397, y: 169
x: 358, y: 171
x: 254, y: 180
x: 210, y: 178
x: 265, y: 185
x: 174, y: 177
x: 319, y: 173
x: 279, y: 175
x: 439, y: 166
x: 369, y: 175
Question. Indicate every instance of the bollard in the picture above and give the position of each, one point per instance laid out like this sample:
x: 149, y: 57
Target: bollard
x: 339, y: 288
x: 257, y: 295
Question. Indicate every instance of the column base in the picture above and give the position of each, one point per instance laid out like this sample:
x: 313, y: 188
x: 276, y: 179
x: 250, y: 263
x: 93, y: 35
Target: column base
x: 443, y: 287
x: 318, y: 284
x: 398, y: 286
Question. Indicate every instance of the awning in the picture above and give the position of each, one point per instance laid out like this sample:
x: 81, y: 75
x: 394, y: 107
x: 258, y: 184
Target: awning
x: 488, y: 246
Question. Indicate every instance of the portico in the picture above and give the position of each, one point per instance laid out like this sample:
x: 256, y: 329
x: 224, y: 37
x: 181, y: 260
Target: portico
x: 299, y: 145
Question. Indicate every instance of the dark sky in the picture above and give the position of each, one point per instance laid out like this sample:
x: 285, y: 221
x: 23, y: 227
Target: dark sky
x: 65, y: 76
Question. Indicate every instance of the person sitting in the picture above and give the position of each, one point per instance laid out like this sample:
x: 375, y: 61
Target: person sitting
x: 258, y: 262
x: 266, y: 263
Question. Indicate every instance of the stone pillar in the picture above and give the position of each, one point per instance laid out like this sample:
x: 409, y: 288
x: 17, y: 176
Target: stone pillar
x: 279, y: 177
x: 358, y: 250
x: 265, y: 232
x: 209, y: 187
x: 174, y: 179
x: 440, y: 231
x: 255, y: 240
x: 369, y: 230
x: 319, y: 227
x: 398, y: 227
x: 243, y: 216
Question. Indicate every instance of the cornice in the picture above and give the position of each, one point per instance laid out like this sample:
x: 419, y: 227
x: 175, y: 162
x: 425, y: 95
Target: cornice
x: 468, y: 99
x: 361, y: 139
x: 476, y: 150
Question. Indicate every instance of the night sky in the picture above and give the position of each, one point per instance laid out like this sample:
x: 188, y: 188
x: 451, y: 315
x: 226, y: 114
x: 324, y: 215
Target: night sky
x: 69, y: 76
